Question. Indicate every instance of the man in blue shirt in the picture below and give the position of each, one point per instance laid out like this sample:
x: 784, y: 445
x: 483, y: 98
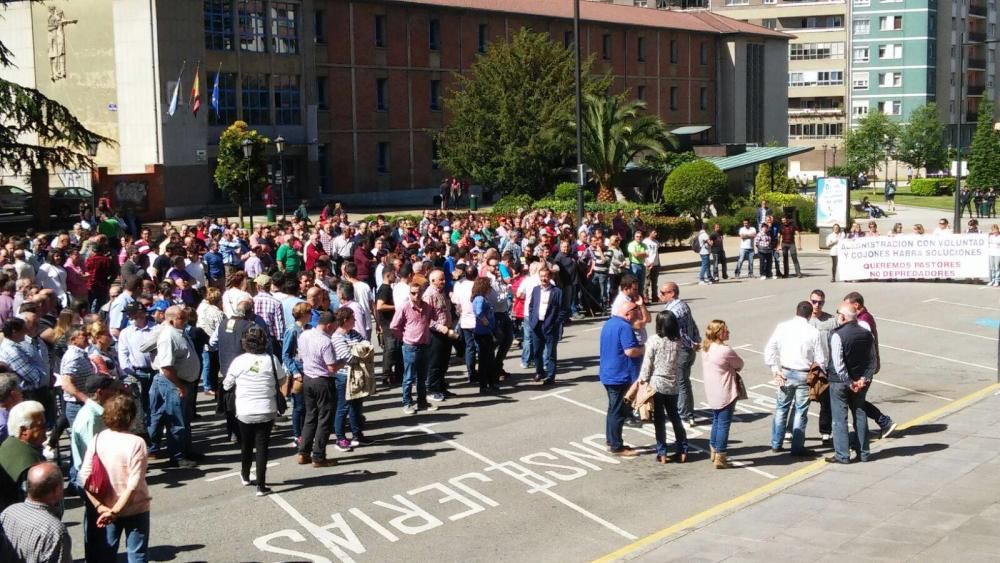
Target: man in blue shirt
x: 621, y: 354
x: 215, y: 271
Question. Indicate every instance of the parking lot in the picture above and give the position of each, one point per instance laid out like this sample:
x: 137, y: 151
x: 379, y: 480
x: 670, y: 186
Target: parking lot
x: 524, y: 475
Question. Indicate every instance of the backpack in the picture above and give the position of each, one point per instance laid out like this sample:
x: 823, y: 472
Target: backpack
x: 696, y: 243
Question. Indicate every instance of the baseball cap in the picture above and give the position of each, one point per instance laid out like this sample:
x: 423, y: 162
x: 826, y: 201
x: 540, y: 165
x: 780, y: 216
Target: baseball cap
x: 160, y: 305
x: 263, y: 280
x: 133, y: 308
x: 94, y: 383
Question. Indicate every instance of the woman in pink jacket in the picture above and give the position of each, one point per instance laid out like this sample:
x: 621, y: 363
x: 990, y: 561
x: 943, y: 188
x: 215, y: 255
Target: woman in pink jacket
x: 719, y: 365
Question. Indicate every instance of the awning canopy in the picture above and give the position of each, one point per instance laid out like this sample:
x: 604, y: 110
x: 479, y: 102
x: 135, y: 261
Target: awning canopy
x: 755, y: 155
x: 691, y: 129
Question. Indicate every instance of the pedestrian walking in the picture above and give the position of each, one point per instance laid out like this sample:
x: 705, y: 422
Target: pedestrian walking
x: 720, y: 366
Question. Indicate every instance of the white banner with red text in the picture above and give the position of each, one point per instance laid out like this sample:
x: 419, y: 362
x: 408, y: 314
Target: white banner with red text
x: 909, y: 257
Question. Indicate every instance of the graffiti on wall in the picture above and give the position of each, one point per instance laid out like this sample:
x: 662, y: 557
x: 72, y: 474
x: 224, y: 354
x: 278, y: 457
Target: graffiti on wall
x: 132, y: 193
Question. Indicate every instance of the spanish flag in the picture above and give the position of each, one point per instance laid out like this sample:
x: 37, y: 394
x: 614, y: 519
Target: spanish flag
x: 196, y: 91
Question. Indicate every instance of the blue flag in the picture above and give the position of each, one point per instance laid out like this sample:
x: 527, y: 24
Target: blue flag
x: 214, y: 101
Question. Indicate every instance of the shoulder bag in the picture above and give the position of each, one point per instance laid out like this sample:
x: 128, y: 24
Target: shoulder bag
x: 98, y: 482
x: 278, y: 395
x: 741, y: 388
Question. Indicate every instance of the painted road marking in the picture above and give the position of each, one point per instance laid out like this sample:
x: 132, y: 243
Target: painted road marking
x: 755, y: 298
x: 253, y: 473
x: 781, y: 483
x: 944, y: 329
x: 980, y: 307
x: 989, y: 323
x: 970, y: 364
x: 886, y: 383
x: 506, y: 469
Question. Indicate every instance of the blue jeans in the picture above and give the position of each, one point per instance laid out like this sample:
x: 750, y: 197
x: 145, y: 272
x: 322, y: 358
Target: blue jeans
x: 664, y: 407
x: 603, y: 288
x: 703, y: 273
x: 471, y: 353
x: 167, y: 410
x: 298, y: 414
x: 746, y: 254
x: 845, y: 403
x: 617, y: 411
x: 415, y: 370
x: 346, y: 409
x: 545, y: 353
x: 722, y: 419
x: 639, y: 271
x: 527, y: 352
x: 136, y: 530
x: 794, y: 390
x: 685, y: 395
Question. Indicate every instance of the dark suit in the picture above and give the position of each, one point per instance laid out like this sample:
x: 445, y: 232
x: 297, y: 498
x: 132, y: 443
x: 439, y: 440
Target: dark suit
x: 545, y: 331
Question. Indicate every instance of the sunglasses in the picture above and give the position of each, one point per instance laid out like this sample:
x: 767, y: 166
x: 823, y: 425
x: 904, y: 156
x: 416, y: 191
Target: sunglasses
x: 414, y: 293
x: 817, y: 301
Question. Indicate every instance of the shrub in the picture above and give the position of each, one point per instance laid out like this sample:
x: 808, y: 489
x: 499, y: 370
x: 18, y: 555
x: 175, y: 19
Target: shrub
x: 670, y: 229
x: 567, y: 191
x: 730, y: 224
x: 511, y: 203
x: 932, y: 186
x: 691, y: 186
x: 805, y: 206
x: 560, y: 205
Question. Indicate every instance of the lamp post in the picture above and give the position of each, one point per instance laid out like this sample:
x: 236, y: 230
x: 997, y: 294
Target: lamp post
x: 824, y: 160
x: 92, y: 153
x: 956, y: 223
x: 580, y: 178
x: 247, y: 153
x: 834, y: 156
x: 279, y: 144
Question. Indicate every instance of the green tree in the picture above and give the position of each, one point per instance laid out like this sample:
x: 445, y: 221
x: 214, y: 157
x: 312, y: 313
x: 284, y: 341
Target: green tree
x: 984, y: 156
x: 865, y: 146
x: 615, y: 131
x: 921, y: 142
x: 508, y: 114
x: 232, y: 168
x: 693, y: 185
x: 661, y: 165
x: 780, y: 182
x: 57, y: 139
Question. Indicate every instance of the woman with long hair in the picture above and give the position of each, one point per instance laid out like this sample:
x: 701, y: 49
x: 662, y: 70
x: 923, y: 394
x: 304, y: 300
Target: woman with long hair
x: 348, y: 410
x: 101, y: 355
x: 720, y: 370
x: 482, y: 310
x: 659, y: 368
x: 210, y: 316
x: 833, y: 243
x: 255, y: 373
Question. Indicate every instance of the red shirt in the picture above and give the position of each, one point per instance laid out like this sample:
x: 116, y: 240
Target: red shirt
x: 788, y: 233
x: 101, y: 271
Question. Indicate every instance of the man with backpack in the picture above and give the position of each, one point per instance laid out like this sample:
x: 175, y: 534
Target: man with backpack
x: 701, y: 244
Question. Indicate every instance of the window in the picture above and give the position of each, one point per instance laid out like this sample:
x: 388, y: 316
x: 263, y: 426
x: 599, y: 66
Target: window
x: 606, y: 46
x: 323, y: 163
x: 640, y: 93
x: 862, y: 26
x: 252, y: 30
x: 891, y: 107
x: 890, y: 51
x: 284, y: 28
x: 382, y: 94
x: 382, y: 150
x: 674, y: 56
x: 435, y: 154
x: 859, y: 108
x: 811, y: 51
x: 567, y: 39
x: 769, y: 23
x: 673, y: 98
x: 380, y: 31
x: 890, y: 23
x: 435, y: 95
x: 861, y: 54
x: 319, y: 27
x: 434, y: 35
x: 815, y: 130
x: 321, y: 93
x: 703, y: 98
x: 816, y: 78
x: 737, y: 2
x: 859, y: 80
x: 219, y: 25
x: 227, y: 99
x: 640, y: 49
x: 256, y: 100
x: 890, y: 79
x: 287, y: 100
x: 483, y: 35
x: 862, y: 3
x: 703, y: 53
x: 770, y: 1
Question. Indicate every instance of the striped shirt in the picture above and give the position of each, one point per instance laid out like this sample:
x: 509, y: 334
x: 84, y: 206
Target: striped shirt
x: 27, y: 361
x: 342, y: 342
x: 268, y: 308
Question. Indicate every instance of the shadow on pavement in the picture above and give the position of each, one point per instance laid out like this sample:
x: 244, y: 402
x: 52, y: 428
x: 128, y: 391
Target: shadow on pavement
x: 171, y: 552
x: 907, y: 451
x: 924, y: 429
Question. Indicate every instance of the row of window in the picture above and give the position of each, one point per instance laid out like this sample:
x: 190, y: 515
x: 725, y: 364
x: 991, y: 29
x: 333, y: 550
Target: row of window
x: 253, y: 31
x: 815, y: 130
x: 867, y: 3
x: 816, y: 78
x: 808, y: 22
x: 887, y: 52
x: 259, y: 93
x: 859, y: 80
x: 863, y: 26
x: 640, y: 94
x: 382, y: 94
x: 859, y: 108
x: 813, y: 51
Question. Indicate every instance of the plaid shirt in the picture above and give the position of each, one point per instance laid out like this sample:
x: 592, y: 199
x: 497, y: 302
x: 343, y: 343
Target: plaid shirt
x: 689, y: 329
x: 32, y: 533
x: 28, y: 361
x: 269, y: 309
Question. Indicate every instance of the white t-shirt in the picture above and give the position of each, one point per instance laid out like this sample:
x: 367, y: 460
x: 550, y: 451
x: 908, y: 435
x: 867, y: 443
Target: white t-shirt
x: 994, y: 244
x: 231, y: 298
x: 703, y: 239
x: 652, y: 252
x: 364, y: 296
x: 833, y: 242
x: 461, y: 296
x: 255, y: 379
x: 746, y: 237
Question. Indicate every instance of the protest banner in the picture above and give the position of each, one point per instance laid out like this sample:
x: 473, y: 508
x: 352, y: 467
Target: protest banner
x: 910, y: 257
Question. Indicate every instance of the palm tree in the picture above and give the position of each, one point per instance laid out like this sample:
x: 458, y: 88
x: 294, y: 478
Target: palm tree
x: 614, y: 132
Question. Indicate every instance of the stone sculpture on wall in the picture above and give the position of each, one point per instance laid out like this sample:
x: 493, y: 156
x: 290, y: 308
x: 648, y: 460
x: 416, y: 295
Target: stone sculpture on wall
x: 57, y: 42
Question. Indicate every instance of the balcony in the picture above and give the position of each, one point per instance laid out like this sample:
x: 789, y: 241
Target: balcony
x: 815, y: 112
x: 971, y: 117
x: 975, y: 37
x: 976, y: 64
x: 977, y: 10
x: 975, y: 90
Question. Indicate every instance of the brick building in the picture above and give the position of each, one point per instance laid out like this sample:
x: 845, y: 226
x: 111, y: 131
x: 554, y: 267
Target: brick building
x: 354, y: 86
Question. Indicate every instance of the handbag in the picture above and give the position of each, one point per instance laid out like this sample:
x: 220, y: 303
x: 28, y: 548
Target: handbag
x: 98, y: 482
x: 741, y: 388
x: 278, y: 395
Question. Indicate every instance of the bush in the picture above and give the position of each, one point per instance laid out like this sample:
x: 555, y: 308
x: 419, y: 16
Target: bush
x: 691, y: 186
x: 511, y: 203
x: 670, y: 229
x: 805, y: 206
x: 932, y: 186
x: 730, y: 224
x: 566, y: 191
x: 393, y: 219
x: 560, y: 205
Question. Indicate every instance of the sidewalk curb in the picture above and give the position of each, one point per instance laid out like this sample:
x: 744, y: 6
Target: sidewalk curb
x: 693, y: 523
x: 729, y: 260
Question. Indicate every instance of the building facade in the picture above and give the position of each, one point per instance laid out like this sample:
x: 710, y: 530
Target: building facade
x: 356, y: 86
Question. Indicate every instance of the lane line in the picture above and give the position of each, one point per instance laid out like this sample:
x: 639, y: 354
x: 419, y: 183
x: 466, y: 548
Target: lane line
x: 501, y: 467
x: 755, y: 298
x: 893, y: 385
x: 777, y: 485
x: 253, y: 473
x: 980, y: 307
x: 970, y: 364
x: 937, y: 328
x: 321, y: 534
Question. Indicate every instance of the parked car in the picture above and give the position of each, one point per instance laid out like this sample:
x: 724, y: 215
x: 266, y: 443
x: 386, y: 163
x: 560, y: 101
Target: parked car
x: 13, y: 199
x: 65, y: 202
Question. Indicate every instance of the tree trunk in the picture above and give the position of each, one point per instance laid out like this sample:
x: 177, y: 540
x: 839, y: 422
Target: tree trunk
x: 605, y: 193
x: 40, y: 197
x: 239, y: 209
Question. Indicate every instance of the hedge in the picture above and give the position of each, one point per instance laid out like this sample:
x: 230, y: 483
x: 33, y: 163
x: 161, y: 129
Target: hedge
x: 567, y: 191
x: 670, y: 229
x: 511, y: 203
x: 805, y: 206
x: 932, y: 186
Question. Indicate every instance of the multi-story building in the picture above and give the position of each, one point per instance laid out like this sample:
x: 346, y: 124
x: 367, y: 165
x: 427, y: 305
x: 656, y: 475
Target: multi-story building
x: 817, y: 72
x: 356, y: 86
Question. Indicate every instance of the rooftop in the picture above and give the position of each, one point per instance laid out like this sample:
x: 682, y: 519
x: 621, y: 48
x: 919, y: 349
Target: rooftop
x: 756, y: 155
x: 600, y: 12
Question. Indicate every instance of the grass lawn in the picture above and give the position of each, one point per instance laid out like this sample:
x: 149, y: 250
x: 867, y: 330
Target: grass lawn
x: 904, y: 197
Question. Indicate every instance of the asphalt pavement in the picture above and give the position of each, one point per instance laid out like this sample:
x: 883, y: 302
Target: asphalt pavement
x: 524, y: 475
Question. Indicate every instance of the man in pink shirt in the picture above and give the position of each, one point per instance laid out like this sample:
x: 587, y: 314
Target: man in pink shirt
x: 411, y: 324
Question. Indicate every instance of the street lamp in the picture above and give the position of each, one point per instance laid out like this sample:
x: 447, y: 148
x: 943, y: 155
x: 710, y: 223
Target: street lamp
x: 580, y: 178
x: 824, y: 160
x: 279, y: 144
x: 956, y: 223
x: 247, y: 153
x: 92, y: 145
x: 834, y: 156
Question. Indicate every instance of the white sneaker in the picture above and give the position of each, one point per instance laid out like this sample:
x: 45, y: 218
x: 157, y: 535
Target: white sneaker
x: 774, y: 277
x: 410, y: 409
x: 825, y: 437
x: 703, y: 282
x: 788, y: 435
